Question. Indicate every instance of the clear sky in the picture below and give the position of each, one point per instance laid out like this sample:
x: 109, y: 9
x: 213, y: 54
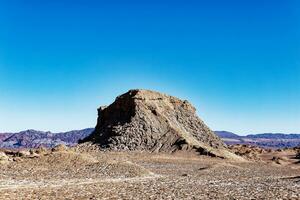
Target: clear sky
x: 237, y: 61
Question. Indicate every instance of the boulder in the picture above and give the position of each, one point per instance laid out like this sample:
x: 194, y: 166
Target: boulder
x: 60, y: 148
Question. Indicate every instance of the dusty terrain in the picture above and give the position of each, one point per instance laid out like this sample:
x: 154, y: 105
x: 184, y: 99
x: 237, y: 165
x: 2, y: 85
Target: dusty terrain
x: 75, y: 174
x: 187, y: 160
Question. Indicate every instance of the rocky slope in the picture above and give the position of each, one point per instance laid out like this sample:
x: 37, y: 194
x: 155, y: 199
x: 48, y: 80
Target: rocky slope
x: 145, y: 120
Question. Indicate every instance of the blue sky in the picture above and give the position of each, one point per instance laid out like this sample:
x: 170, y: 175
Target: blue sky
x: 238, y: 62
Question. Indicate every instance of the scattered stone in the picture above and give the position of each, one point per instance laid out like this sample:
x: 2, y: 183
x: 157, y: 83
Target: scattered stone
x: 248, y: 151
x: 60, y: 147
x: 276, y: 160
x: 24, y: 153
x: 17, y: 159
x: 184, y: 175
x: 130, y: 175
x: 41, y: 150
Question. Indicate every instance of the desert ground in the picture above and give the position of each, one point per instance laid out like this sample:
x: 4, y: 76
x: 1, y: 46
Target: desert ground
x: 64, y: 173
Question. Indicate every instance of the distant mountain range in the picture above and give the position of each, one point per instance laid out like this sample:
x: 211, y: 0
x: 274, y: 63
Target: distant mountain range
x: 34, y: 139
x: 267, y: 140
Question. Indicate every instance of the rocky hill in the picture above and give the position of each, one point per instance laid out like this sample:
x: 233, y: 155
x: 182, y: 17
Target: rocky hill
x: 145, y: 120
x: 33, y: 138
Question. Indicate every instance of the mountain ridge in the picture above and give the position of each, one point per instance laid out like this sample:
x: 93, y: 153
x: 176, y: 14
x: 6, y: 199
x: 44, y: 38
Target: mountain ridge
x: 267, y: 140
x: 33, y: 138
x: 70, y: 138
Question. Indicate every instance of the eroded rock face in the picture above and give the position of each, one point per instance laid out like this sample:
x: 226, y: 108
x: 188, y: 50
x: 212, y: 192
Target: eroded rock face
x: 150, y: 121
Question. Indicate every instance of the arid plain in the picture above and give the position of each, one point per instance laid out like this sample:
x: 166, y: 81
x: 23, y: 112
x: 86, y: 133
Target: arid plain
x: 86, y: 173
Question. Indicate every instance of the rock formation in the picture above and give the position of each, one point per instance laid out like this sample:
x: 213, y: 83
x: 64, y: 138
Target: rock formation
x: 145, y: 120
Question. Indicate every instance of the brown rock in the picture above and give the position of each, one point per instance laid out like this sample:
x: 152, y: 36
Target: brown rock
x: 41, y: 150
x: 24, y: 153
x: 145, y: 120
x: 60, y: 147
